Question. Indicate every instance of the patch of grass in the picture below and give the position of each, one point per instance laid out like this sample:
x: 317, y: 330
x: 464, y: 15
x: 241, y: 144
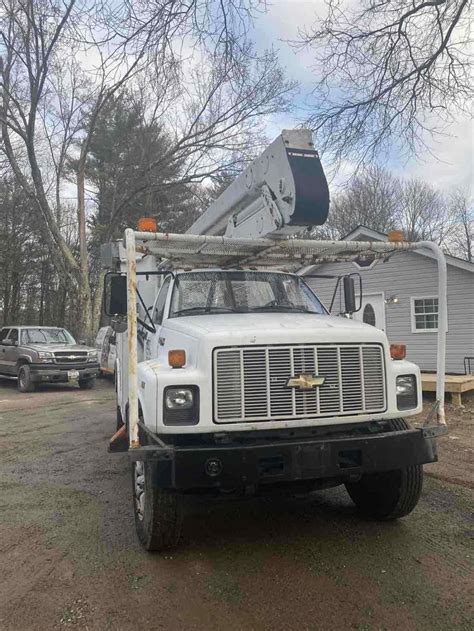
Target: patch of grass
x: 225, y: 588
x: 171, y: 588
x: 74, y: 614
x: 139, y: 582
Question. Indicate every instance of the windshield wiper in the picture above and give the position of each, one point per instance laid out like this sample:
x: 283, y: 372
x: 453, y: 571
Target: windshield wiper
x: 190, y: 310
x: 283, y: 308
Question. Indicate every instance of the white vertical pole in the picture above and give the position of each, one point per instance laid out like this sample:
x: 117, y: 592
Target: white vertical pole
x: 132, y: 338
x: 442, y: 324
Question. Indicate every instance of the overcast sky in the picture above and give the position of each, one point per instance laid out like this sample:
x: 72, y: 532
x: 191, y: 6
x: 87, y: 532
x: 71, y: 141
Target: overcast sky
x: 453, y: 165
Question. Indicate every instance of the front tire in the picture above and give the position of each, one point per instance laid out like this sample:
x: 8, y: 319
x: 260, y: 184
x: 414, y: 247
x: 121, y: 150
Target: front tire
x: 158, y: 512
x: 24, y: 381
x: 388, y: 495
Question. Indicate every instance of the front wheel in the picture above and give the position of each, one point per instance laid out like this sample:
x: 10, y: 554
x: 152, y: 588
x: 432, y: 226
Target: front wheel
x: 158, y: 512
x: 388, y: 495
x: 25, y: 382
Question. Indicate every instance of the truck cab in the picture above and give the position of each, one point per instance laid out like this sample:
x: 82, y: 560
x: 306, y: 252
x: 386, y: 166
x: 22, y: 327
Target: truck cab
x: 247, y: 340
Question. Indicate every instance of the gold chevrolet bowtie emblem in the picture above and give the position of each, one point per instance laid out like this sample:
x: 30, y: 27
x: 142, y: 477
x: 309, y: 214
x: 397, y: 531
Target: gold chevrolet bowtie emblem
x: 305, y: 382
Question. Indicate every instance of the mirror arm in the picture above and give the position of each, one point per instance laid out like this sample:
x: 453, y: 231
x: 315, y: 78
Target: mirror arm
x: 146, y: 326
x: 150, y: 328
x: 334, y: 293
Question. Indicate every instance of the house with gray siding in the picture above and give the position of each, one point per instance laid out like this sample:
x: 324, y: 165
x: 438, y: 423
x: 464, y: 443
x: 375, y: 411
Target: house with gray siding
x: 400, y: 297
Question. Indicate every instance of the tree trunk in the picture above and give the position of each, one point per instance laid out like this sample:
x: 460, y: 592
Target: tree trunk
x: 97, y: 303
x: 85, y: 299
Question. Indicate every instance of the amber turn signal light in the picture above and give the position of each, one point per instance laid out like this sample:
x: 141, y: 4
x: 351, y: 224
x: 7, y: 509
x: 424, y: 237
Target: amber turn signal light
x: 176, y: 359
x: 147, y: 224
x: 398, y: 351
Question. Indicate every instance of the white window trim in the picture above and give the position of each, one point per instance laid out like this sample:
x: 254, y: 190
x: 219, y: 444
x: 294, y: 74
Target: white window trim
x: 412, y: 313
x: 369, y: 295
x: 365, y: 267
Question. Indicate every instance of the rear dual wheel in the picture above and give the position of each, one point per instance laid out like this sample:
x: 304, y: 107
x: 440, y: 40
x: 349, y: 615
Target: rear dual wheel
x: 388, y: 495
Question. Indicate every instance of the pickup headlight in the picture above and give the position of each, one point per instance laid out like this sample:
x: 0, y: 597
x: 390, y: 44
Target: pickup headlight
x: 181, y: 405
x: 92, y: 356
x: 45, y: 357
x: 407, y: 396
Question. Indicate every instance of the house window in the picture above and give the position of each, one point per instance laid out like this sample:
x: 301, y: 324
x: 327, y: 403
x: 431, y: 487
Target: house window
x: 424, y: 314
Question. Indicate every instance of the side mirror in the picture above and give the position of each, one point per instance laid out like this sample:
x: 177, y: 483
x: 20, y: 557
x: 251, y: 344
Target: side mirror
x: 349, y: 295
x: 115, y: 295
x: 6, y: 342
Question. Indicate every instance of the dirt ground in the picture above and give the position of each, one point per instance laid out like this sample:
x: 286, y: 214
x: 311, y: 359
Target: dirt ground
x: 70, y: 559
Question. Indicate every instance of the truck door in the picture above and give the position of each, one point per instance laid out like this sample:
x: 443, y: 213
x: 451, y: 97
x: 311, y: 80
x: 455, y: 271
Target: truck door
x: 10, y: 354
x: 152, y: 339
x: 3, y: 350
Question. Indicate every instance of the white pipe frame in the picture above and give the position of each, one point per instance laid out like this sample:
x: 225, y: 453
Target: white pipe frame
x: 132, y: 339
x: 274, y: 248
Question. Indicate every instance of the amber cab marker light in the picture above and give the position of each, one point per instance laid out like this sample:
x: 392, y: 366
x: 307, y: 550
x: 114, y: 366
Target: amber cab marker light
x: 398, y: 351
x: 395, y: 236
x: 176, y: 359
x: 147, y: 224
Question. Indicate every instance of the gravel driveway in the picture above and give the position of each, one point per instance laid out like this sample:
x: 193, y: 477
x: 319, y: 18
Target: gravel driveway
x: 69, y: 556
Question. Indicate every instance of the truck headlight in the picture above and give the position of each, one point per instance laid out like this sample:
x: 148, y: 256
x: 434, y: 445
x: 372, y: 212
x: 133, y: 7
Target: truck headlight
x: 181, y: 405
x: 407, y: 396
x: 92, y: 356
x: 179, y: 398
x: 45, y: 357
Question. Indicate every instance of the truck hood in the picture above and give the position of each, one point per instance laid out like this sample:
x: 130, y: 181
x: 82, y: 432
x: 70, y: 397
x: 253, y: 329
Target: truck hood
x: 238, y: 328
x: 61, y: 348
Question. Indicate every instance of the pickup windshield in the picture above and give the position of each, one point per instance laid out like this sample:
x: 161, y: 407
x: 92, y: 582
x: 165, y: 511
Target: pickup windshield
x: 46, y: 336
x: 197, y: 293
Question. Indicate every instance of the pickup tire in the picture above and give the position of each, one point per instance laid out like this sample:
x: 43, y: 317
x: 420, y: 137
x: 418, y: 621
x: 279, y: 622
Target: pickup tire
x: 87, y: 384
x: 388, y: 495
x: 24, y: 381
x: 158, y: 512
x: 118, y: 419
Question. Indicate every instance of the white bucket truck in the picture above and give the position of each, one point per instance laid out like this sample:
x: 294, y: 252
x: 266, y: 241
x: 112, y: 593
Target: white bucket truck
x: 231, y: 375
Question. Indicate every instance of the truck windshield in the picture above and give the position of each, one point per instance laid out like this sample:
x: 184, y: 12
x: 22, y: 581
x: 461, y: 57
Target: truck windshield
x: 196, y: 293
x: 46, y: 336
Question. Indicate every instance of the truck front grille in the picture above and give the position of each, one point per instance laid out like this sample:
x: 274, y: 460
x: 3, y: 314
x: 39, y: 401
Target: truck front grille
x: 70, y: 357
x: 250, y: 383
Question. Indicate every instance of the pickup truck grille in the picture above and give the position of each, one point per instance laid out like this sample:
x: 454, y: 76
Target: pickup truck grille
x: 250, y: 383
x: 70, y: 357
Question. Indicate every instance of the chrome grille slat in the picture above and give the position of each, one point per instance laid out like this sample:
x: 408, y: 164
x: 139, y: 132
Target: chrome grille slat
x: 250, y: 382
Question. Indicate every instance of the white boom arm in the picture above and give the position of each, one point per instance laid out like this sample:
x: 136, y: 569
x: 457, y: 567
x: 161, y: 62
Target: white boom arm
x: 282, y: 190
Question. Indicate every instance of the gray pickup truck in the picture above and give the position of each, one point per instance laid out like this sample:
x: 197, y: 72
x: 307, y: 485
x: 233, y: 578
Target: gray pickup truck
x: 45, y: 354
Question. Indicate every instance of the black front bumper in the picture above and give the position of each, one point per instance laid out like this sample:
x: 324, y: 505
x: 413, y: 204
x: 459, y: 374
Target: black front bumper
x: 54, y: 374
x: 290, y: 460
